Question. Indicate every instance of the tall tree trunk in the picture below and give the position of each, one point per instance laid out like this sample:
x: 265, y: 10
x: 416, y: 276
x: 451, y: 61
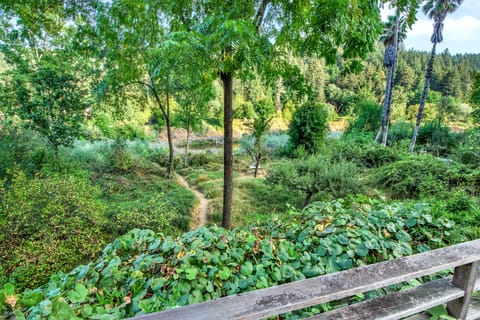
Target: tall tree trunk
x: 185, y: 160
x: 227, y: 80
x: 383, y: 118
x: 169, y: 137
x: 428, y: 76
x: 387, y: 102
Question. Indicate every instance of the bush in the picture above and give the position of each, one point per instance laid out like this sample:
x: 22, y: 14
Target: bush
x: 468, y: 152
x: 308, y: 128
x: 7, y: 161
x: 365, y: 155
x: 316, y: 174
x: 206, y: 160
x: 413, y: 177
x: 459, y: 201
x: 400, y: 131
x: 49, y: 224
x: 436, y: 138
x: 367, y: 118
x: 120, y: 159
x: 22, y: 148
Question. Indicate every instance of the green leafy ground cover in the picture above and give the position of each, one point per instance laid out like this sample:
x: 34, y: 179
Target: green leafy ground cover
x: 143, y: 271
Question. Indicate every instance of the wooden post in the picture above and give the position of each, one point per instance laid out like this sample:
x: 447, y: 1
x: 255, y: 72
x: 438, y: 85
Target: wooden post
x: 464, y: 277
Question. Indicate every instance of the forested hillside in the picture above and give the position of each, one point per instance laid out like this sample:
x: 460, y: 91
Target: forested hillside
x: 155, y: 154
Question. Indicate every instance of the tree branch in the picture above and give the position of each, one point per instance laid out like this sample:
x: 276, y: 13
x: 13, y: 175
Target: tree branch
x: 261, y: 14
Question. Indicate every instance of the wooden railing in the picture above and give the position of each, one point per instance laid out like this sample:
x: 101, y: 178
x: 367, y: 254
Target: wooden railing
x: 455, y: 292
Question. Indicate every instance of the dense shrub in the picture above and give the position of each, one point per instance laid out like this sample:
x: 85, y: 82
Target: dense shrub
x: 437, y: 138
x: 48, y: 224
x: 468, y: 152
x: 206, y: 160
x: 365, y: 155
x: 367, y: 117
x: 316, y: 174
x: 308, y: 128
x: 7, y: 161
x: 22, y: 148
x: 120, y: 158
x: 144, y: 272
x: 412, y: 177
x: 400, y: 131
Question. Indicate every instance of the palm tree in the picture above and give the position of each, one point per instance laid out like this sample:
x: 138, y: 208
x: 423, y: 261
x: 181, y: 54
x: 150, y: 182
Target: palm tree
x: 438, y: 10
x: 394, y: 33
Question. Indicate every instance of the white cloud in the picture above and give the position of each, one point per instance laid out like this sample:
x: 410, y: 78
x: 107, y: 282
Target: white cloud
x: 460, y: 35
x: 461, y: 32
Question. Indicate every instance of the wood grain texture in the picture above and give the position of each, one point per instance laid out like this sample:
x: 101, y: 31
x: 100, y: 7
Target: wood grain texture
x: 464, y: 277
x: 301, y: 294
x: 399, y: 304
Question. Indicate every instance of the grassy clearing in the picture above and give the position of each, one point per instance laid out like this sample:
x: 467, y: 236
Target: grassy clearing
x: 139, y: 200
x: 253, y: 200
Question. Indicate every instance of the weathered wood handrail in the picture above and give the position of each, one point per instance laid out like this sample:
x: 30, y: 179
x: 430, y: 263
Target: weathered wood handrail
x: 456, y: 292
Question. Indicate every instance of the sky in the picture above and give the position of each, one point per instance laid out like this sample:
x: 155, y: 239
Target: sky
x: 461, y: 31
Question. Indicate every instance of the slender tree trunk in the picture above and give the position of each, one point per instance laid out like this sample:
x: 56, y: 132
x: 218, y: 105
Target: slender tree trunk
x: 392, y: 78
x: 227, y: 80
x: 257, y: 164
x: 185, y: 161
x: 383, y: 118
x: 387, y: 102
x: 169, y: 137
x: 306, y: 201
x: 428, y: 76
x: 166, y: 117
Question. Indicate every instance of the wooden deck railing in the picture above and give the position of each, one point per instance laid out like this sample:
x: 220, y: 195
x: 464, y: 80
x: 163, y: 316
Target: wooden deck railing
x: 455, y: 292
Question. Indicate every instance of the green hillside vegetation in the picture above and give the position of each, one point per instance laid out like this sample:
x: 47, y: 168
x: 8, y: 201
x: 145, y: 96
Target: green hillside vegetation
x: 143, y: 272
x: 155, y: 154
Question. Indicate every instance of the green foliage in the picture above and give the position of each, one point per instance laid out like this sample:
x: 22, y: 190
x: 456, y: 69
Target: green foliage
x: 468, y: 152
x: 143, y: 272
x: 206, y: 160
x: 399, y: 131
x: 437, y: 138
x: 367, y: 117
x: 21, y: 148
x: 412, y: 177
x: 460, y: 201
x: 49, y: 100
x: 145, y: 199
x: 365, y: 155
x: 316, y: 174
x: 254, y: 144
x: 276, y: 143
x: 48, y: 224
x: 110, y: 129
x: 119, y: 158
x: 308, y: 127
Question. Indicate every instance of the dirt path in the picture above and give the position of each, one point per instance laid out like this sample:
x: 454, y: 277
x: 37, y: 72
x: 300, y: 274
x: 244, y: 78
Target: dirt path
x: 200, y: 212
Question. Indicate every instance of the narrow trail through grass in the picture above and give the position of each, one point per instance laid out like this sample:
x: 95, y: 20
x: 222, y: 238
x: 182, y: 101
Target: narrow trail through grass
x: 200, y: 212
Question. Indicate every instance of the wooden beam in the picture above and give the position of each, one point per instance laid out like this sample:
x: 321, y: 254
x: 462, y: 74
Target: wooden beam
x: 399, y: 304
x: 305, y: 293
x: 464, y: 277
